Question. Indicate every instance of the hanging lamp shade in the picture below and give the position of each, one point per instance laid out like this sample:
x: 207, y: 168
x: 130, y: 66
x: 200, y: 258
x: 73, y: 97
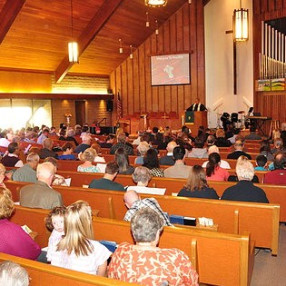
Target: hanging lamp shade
x: 73, y: 52
x: 241, y: 24
x: 155, y: 3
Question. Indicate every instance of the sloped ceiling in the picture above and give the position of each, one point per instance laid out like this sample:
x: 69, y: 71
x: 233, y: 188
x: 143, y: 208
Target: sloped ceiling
x: 37, y: 39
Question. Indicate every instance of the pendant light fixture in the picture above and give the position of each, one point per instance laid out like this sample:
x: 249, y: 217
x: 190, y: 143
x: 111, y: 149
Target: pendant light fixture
x: 155, y: 3
x: 72, y: 45
x: 241, y: 24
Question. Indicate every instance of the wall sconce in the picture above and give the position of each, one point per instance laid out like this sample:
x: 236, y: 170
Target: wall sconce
x: 157, y: 28
x: 240, y: 19
x: 131, y: 52
x: 147, y: 20
x: 72, y: 45
x: 190, y: 1
x: 120, y: 47
x: 155, y: 3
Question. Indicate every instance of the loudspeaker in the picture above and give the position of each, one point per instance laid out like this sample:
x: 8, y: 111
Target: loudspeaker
x: 109, y: 105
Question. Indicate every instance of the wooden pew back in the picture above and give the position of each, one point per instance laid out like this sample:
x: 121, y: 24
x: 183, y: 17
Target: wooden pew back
x: 211, y: 252
x: 46, y: 275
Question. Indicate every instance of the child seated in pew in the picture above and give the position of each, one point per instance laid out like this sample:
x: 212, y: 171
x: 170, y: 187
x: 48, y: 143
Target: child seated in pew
x: 261, y: 163
x: 55, y: 224
x: 77, y: 250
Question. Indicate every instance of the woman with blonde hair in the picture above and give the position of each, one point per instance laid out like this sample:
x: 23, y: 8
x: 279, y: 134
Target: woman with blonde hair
x: 77, y: 250
x: 14, y: 240
x: 88, y: 157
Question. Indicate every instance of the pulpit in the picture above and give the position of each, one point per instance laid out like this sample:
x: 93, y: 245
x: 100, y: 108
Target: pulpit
x: 195, y: 119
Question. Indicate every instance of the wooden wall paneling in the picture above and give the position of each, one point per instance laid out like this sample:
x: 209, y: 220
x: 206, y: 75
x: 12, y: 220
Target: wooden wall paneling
x: 124, y: 89
x: 174, y: 98
x: 160, y: 50
x: 278, y: 5
x: 256, y: 7
x: 271, y: 5
x: 142, y: 78
x: 181, y: 98
x: 148, y: 93
x: 112, y: 84
x: 200, y: 52
x: 193, y: 48
x: 166, y: 31
x: 118, y: 87
x: 284, y: 4
x: 130, y: 85
x: 173, y: 33
x: 264, y: 6
x: 154, y: 89
x: 136, y: 84
x: 168, y: 99
x: 179, y: 28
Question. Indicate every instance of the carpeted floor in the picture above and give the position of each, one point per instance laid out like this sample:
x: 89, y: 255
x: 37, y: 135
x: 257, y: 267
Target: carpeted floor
x: 271, y: 270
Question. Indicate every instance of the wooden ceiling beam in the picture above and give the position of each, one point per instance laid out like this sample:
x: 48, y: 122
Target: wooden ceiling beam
x: 8, y: 15
x: 89, y: 33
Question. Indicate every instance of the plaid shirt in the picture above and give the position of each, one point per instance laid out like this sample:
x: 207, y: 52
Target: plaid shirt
x: 151, y: 203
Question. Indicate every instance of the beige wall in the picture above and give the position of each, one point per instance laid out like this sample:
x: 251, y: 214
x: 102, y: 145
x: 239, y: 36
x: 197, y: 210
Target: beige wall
x: 219, y: 61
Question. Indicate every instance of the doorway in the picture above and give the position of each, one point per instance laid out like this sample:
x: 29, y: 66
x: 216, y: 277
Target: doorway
x: 80, y: 115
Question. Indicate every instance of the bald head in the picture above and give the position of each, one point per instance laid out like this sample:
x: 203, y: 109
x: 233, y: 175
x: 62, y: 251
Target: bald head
x: 130, y: 197
x: 213, y: 149
x: 171, y: 145
x: 46, y: 172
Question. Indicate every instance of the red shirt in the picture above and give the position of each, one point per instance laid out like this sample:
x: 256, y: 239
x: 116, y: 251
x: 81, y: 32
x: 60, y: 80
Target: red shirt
x: 276, y: 177
x: 219, y: 174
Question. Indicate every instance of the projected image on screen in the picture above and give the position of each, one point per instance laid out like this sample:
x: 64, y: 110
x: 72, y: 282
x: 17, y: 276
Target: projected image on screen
x: 170, y: 69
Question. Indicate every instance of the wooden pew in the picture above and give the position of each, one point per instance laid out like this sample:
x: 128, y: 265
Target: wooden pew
x: 220, y: 259
x: 260, y: 220
x: 46, y: 275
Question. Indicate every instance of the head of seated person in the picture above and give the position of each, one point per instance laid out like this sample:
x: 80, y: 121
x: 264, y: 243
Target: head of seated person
x: 244, y: 169
x: 280, y: 161
x: 213, y: 163
x: 13, y: 274
x: 121, y: 138
x: 238, y: 145
x: 33, y: 160
x: 141, y: 176
x: 261, y: 161
x: 170, y: 147
x: 48, y: 143
x: 67, y: 148
x: 111, y: 170
x: 197, y: 179
x: 199, y: 143
x: 179, y: 153
x: 142, y: 148
x: 88, y: 155
x: 150, y: 159
x: 46, y: 172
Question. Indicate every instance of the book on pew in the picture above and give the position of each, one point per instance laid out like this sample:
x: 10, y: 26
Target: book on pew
x: 178, y: 219
x: 110, y: 245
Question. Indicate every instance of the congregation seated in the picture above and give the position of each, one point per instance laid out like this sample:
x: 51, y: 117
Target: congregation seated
x: 213, y: 170
x: 41, y: 195
x: 107, y: 182
x: 44, y: 135
x: 109, y: 141
x: 278, y: 175
x: 78, y: 250
x: 266, y: 150
x: 55, y: 223
x: 14, y: 240
x: 141, y: 177
x: 67, y: 152
x: 4, y: 142
x: 147, y: 264
x: 168, y: 159
x: 142, y: 148
x: 179, y: 170
x: 88, y: 157
x: 253, y: 135
x: 197, y: 186
x: 122, y: 160
x: 198, y: 150
x: 47, y: 151
x: 261, y: 163
x: 12, y: 158
x: 86, y: 140
x: 214, y: 149
x: 27, y: 173
x: 244, y: 190
x: 12, y: 274
x: 121, y: 143
x: 151, y: 162
x: 221, y: 140
x: 96, y: 147
x: 70, y: 136
x: 238, y: 151
x: 134, y: 203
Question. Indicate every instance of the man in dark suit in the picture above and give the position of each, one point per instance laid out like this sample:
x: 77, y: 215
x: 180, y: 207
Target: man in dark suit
x: 197, y: 106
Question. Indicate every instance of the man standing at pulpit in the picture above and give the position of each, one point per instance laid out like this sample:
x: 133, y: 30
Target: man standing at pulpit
x: 197, y: 106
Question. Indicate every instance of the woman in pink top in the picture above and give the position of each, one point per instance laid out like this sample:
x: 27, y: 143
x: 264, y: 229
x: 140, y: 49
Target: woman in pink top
x: 213, y: 170
x: 14, y: 240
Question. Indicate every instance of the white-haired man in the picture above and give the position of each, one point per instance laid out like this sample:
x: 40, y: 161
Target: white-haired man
x: 27, y: 173
x: 41, y: 195
x: 244, y: 190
